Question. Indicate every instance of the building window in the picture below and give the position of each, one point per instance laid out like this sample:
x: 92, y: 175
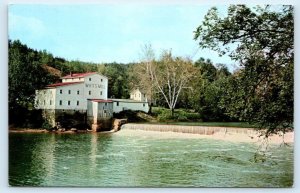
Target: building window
x: 100, y: 92
x: 44, y: 102
x: 69, y: 102
x: 60, y: 102
x: 144, y: 95
x: 143, y: 104
x: 78, y: 92
x: 69, y: 91
x: 90, y: 92
x: 77, y: 103
x: 105, y: 104
x: 90, y: 79
x: 50, y: 102
x: 117, y: 103
x: 101, y: 80
x: 60, y: 91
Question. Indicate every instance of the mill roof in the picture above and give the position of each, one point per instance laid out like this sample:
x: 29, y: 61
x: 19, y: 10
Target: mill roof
x: 62, y: 84
x: 101, y: 101
x: 79, y: 75
x: 126, y: 100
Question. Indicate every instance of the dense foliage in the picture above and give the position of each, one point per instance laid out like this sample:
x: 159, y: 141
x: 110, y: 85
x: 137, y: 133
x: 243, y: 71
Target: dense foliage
x: 25, y: 74
x: 117, y: 75
x: 209, y: 90
x: 262, y: 90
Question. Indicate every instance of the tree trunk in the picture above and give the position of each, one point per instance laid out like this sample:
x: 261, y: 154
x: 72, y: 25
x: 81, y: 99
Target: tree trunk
x: 172, y: 111
x: 150, y: 109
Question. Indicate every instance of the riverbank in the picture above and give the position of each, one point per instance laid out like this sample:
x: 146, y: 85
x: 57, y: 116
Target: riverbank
x: 26, y: 130
x: 248, y: 135
x: 57, y: 132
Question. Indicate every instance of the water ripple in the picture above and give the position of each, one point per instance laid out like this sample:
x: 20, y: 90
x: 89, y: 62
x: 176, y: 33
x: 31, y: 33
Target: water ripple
x: 116, y: 160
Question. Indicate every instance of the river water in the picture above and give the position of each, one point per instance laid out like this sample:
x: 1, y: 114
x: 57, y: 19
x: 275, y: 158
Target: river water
x: 115, y: 160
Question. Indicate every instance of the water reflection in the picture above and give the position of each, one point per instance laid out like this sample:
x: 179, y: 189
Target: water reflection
x: 31, y: 158
x: 43, y: 157
x: 94, y: 144
x: 114, y: 160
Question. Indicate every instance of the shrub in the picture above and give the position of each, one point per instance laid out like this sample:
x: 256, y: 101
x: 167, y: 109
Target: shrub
x: 157, y: 111
x: 193, y: 116
x: 131, y: 116
x: 46, y: 126
x: 165, y: 116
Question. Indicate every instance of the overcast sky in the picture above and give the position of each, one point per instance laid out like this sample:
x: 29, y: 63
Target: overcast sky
x: 108, y: 33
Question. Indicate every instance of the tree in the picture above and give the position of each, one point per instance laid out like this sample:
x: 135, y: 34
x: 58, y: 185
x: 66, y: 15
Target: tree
x: 263, y: 40
x: 222, y: 71
x: 209, y: 90
x: 25, y: 75
x: 117, y: 79
x: 207, y: 70
x: 142, y: 75
x: 171, y: 76
x: 167, y: 76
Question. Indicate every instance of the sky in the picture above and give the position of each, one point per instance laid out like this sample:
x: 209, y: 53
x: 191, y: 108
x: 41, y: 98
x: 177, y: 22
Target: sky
x: 110, y: 33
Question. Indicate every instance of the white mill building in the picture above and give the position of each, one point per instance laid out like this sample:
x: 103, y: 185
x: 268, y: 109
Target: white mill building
x: 83, y: 98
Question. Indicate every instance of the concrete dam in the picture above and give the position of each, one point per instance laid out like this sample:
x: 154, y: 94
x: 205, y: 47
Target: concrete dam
x: 202, y: 130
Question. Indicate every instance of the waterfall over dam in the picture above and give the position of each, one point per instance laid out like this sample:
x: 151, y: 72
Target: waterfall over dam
x: 202, y: 130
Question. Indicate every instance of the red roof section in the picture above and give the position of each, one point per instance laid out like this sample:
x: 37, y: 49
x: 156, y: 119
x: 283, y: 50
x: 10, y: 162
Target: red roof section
x: 79, y: 75
x: 101, y: 101
x: 62, y: 84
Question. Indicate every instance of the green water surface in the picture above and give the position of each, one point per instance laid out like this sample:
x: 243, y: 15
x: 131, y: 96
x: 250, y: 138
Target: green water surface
x: 110, y: 160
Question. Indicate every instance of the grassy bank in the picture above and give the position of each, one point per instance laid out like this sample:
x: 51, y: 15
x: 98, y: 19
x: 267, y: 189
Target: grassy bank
x: 164, y: 115
x: 212, y: 124
x: 181, y: 117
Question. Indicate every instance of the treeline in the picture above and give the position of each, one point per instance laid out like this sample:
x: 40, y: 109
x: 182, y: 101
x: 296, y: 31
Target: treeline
x: 30, y: 70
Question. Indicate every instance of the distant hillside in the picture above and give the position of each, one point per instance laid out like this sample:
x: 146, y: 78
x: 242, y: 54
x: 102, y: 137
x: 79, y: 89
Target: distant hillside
x: 52, y: 71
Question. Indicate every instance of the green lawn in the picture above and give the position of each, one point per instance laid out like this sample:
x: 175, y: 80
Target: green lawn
x: 181, y: 117
x: 220, y: 124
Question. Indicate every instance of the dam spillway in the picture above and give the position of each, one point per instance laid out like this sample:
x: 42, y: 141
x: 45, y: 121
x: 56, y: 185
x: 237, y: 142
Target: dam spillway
x: 202, y: 130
